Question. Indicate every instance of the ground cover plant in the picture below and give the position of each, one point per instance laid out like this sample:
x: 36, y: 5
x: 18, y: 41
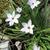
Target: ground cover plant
x: 24, y: 24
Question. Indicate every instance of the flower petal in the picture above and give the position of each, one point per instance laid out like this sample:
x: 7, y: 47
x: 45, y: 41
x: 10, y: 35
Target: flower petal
x: 31, y: 31
x: 38, y: 48
x: 11, y: 23
x: 8, y: 19
x: 17, y: 15
x: 25, y: 30
x: 17, y: 43
x: 24, y: 24
x: 32, y: 6
x: 16, y: 21
x: 9, y: 15
x: 35, y: 47
x: 37, y: 3
x: 32, y: 26
x: 29, y: 23
x: 4, y: 44
x: 13, y: 14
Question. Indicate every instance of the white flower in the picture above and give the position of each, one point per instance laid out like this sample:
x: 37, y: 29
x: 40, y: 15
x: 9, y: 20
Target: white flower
x: 33, y: 3
x: 27, y: 27
x: 18, y: 9
x: 18, y: 45
x: 4, y: 44
x: 12, y: 18
x: 35, y: 47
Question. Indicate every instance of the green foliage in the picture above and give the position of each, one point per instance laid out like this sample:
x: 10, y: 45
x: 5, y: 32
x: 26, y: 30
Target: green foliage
x: 40, y: 17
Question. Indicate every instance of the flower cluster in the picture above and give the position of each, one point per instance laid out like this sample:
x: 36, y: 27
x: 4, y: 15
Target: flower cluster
x: 13, y: 18
x: 27, y: 27
x: 5, y: 45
